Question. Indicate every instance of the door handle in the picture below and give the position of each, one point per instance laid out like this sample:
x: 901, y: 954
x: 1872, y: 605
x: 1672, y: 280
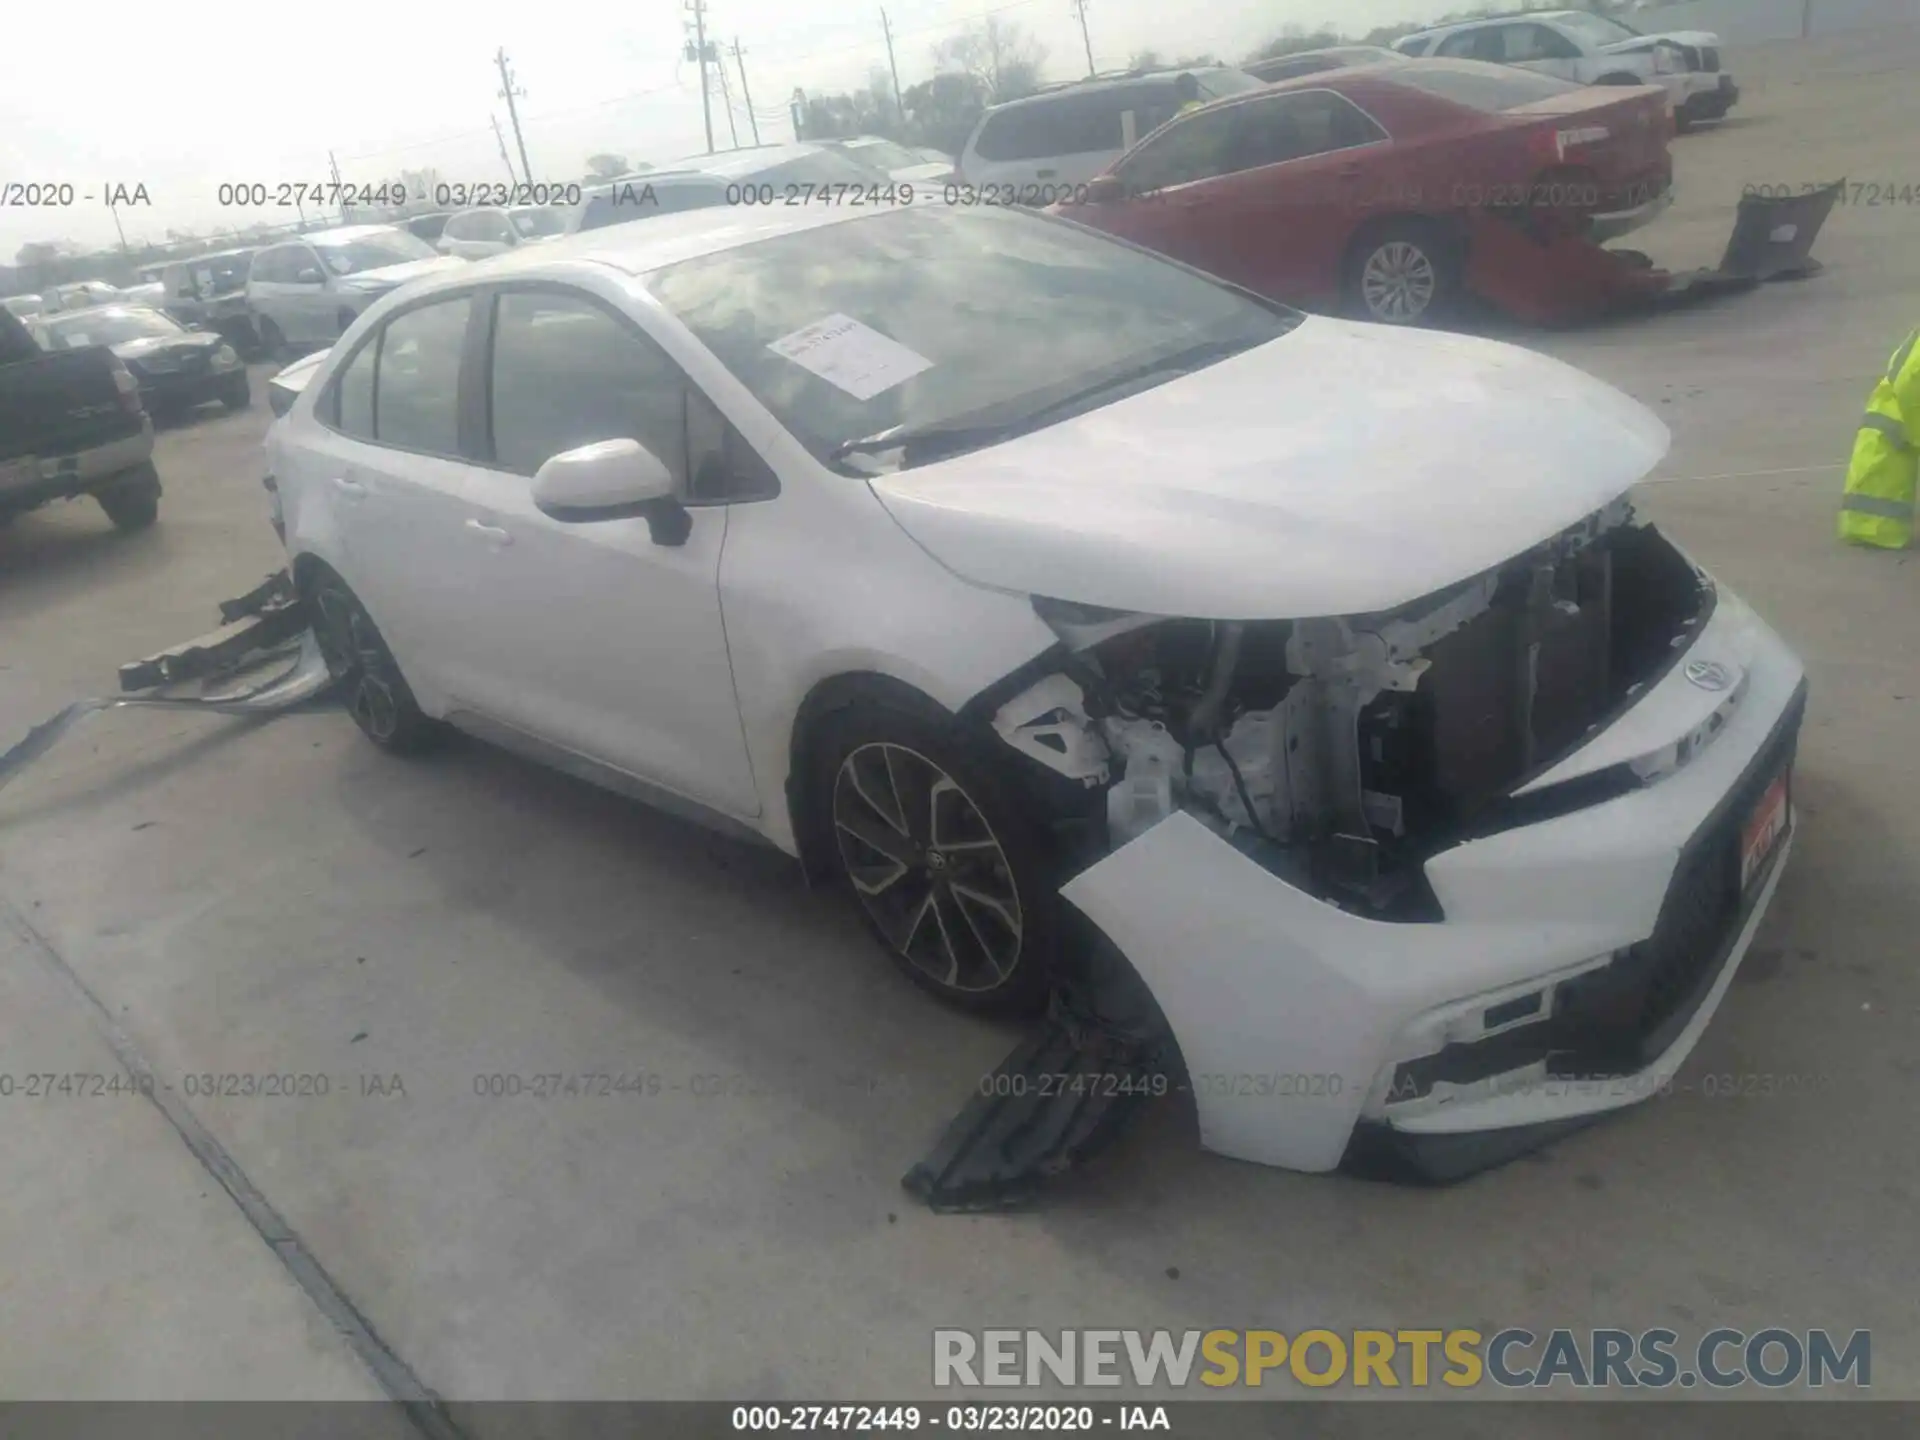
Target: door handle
x: 352, y: 489
x: 492, y: 534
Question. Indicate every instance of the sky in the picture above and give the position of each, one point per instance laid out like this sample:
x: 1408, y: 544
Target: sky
x: 247, y: 93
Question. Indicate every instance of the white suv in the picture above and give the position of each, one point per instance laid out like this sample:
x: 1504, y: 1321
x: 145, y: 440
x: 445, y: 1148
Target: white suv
x: 1036, y: 150
x: 1593, y: 50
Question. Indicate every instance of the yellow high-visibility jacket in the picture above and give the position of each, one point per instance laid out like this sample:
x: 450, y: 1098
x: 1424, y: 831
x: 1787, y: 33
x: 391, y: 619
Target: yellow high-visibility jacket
x: 1877, y: 508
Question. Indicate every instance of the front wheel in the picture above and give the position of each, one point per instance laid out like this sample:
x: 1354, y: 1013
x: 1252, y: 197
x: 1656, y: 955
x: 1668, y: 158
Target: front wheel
x: 238, y: 395
x: 946, y: 867
x: 377, y: 694
x: 1401, y: 274
x: 273, y: 344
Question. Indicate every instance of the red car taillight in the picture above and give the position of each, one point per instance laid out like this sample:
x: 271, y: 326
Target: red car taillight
x: 128, y: 387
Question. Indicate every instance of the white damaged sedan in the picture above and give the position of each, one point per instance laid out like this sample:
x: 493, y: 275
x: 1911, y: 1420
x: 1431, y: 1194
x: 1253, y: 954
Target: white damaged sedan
x: 1298, y: 703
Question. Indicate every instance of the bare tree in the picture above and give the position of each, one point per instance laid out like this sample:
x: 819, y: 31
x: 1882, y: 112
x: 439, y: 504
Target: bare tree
x: 1001, y: 56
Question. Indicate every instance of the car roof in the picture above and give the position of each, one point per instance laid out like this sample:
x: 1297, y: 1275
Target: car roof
x: 121, y: 307
x: 216, y: 255
x: 1504, y: 18
x: 640, y: 246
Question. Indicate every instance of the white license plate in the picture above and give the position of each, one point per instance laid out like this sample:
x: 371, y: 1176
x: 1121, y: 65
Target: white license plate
x: 1766, y: 823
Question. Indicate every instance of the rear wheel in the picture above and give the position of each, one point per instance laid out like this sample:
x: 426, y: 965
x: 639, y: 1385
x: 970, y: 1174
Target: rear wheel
x: 377, y: 695
x: 948, y: 871
x: 237, y: 395
x: 1402, y: 273
x: 272, y: 343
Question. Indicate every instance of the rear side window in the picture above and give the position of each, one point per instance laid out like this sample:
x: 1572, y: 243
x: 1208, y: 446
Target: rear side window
x: 416, y: 403
x: 1488, y: 90
x: 565, y: 373
x: 1482, y: 44
x: 353, y: 394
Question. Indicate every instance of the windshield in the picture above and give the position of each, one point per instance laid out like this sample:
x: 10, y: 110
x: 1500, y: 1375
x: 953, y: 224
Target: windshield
x: 372, y: 252
x: 923, y: 319
x: 24, y: 304
x: 533, y: 221
x: 104, y: 327
x: 1597, y: 28
x: 211, y: 275
x: 883, y: 154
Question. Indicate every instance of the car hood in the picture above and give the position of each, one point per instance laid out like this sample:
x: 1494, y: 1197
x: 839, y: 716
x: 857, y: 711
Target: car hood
x: 153, y: 344
x: 388, y: 276
x: 1338, y: 470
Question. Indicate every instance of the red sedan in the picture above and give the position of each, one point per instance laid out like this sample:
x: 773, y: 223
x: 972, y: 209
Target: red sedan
x: 1388, y: 189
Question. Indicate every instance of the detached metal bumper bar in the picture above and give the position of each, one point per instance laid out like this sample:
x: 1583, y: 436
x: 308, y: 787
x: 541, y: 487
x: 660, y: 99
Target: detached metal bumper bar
x: 263, y: 660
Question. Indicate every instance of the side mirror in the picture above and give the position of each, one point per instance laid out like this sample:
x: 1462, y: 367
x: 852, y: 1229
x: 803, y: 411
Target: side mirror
x: 310, y: 276
x: 1105, y: 189
x: 612, y: 480
x: 195, y: 325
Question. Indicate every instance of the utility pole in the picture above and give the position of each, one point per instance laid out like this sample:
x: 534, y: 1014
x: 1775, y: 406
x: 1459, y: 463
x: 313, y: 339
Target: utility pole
x: 1806, y: 18
x: 899, y: 110
x: 726, y: 94
x: 338, y: 188
x: 745, y: 93
x: 114, y: 210
x: 513, y: 112
x: 698, y: 9
x: 1080, y: 11
x: 796, y: 107
x: 505, y: 159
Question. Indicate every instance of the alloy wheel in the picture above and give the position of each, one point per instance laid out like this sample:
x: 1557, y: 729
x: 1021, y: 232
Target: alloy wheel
x: 357, y: 657
x: 1398, y: 281
x: 927, y: 867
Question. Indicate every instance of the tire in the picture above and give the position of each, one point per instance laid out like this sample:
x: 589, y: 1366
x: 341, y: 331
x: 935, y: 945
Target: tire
x: 377, y: 694
x: 133, y: 506
x: 238, y: 396
x: 344, y: 319
x: 947, y: 869
x: 1405, y: 272
x: 272, y: 343
x: 1620, y: 77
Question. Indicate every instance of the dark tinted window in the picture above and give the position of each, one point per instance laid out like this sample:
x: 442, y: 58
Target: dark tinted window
x: 353, y: 394
x: 721, y: 465
x: 566, y: 373
x: 1482, y: 89
x: 417, y: 384
x: 1482, y: 44
x: 1073, y: 123
x: 1292, y: 127
x: 1198, y: 148
x: 1414, y: 47
x: 1536, y: 42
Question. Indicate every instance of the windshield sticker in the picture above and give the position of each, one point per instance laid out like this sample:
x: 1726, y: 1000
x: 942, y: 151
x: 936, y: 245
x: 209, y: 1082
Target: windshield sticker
x: 851, y: 356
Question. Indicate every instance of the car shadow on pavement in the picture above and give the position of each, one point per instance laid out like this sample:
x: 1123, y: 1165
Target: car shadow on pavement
x: 70, y: 544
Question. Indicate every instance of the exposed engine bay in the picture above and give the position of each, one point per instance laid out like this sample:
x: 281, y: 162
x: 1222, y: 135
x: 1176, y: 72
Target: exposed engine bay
x: 1341, y: 752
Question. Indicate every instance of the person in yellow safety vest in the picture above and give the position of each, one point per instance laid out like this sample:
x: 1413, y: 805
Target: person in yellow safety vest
x: 1186, y: 90
x: 1877, y: 508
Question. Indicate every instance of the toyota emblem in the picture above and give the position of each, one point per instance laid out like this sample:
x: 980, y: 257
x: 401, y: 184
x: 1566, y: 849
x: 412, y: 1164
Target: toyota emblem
x: 1709, y: 674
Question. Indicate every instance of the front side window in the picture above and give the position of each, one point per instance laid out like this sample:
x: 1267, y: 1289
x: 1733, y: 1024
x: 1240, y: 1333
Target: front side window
x: 353, y: 393
x: 1197, y: 148
x: 1537, y: 42
x: 975, y: 323
x: 1484, y: 43
x: 416, y: 403
x: 566, y: 373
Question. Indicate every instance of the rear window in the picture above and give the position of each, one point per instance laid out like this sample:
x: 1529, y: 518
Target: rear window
x: 1218, y: 84
x: 641, y: 200
x: 1414, y: 46
x: 1490, y: 88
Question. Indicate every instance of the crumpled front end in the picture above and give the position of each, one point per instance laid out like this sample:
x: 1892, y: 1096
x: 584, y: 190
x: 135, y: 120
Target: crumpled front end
x: 1421, y: 889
